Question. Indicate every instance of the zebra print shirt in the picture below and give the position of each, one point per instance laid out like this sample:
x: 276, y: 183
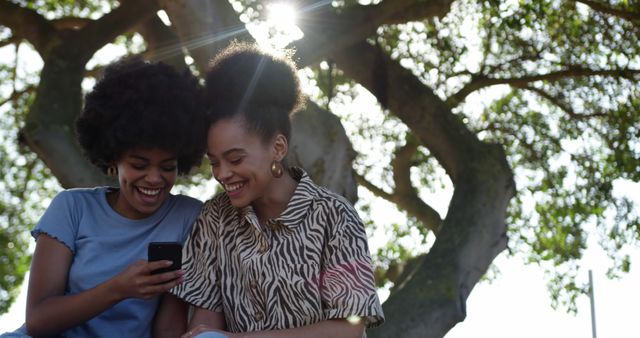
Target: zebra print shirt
x: 310, y: 264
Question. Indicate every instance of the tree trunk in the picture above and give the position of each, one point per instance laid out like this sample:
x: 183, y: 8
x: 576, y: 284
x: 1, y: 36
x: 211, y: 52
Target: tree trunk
x: 50, y: 130
x: 320, y: 145
x: 432, y: 300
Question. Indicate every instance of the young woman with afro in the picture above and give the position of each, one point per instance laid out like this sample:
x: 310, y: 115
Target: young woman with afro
x: 143, y: 124
x: 273, y: 255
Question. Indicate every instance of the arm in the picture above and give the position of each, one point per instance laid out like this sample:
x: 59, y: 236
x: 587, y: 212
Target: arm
x: 204, y: 320
x: 50, y: 311
x: 171, y: 318
x: 335, y: 328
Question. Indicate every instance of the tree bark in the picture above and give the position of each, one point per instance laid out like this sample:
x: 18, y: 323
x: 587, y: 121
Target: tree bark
x: 49, y: 131
x: 320, y: 145
x: 50, y: 124
x: 204, y: 27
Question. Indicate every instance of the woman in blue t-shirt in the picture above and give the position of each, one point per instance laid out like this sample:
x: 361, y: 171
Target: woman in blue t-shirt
x: 143, y: 125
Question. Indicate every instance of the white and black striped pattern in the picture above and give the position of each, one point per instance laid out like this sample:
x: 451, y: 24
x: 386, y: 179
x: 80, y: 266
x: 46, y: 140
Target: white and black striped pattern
x: 310, y: 264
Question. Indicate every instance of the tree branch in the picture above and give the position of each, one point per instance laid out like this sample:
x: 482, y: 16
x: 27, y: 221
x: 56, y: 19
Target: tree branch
x: 611, y: 10
x: 27, y: 24
x: 373, y: 188
x: 16, y: 94
x: 162, y: 42
x: 421, y: 11
x: 482, y: 81
x: 10, y: 41
x: 71, y: 23
x: 205, y: 27
x: 430, y: 120
x: 473, y: 232
x: 405, y: 194
x: 327, y: 31
x: 104, y: 30
x: 564, y: 107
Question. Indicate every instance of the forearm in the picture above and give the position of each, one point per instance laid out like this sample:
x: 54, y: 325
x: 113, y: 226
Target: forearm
x: 171, y: 319
x: 56, y: 314
x: 335, y: 328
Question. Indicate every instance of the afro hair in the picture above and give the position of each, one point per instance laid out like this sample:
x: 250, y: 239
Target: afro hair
x: 262, y: 88
x: 143, y: 104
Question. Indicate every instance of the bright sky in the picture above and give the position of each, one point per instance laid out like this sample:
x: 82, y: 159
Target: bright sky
x: 516, y: 303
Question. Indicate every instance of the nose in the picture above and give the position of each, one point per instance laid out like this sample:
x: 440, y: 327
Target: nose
x: 221, y: 172
x: 154, y: 176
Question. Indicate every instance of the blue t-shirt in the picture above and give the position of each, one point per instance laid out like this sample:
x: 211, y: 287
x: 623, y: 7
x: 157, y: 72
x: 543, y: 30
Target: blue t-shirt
x: 104, y: 243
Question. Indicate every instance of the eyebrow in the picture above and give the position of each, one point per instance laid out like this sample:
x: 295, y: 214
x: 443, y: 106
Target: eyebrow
x: 142, y: 158
x: 228, y: 152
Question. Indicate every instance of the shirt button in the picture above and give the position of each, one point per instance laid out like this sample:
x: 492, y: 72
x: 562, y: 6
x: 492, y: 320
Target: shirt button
x: 258, y: 316
x: 264, y: 248
x: 253, y: 284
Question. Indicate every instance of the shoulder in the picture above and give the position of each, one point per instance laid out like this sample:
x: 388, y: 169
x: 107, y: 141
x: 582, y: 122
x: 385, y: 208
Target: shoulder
x: 184, y: 201
x: 333, y: 200
x: 216, y: 210
x: 218, y: 204
x: 83, y: 192
x: 79, y: 196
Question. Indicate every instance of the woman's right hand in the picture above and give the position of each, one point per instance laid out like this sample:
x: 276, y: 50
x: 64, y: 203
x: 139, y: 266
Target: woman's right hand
x: 50, y: 310
x: 136, y: 281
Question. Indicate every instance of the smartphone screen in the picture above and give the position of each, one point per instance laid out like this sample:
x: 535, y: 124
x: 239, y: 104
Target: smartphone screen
x: 171, y: 251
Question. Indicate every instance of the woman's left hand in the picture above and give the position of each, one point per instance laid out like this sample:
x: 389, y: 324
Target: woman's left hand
x: 204, y: 331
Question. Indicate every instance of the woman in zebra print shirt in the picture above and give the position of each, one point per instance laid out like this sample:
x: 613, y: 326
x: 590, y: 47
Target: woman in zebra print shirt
x: 273, y: 255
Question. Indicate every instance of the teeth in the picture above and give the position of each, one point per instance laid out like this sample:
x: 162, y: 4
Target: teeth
x: 232, y: 187
x: 151, y: 192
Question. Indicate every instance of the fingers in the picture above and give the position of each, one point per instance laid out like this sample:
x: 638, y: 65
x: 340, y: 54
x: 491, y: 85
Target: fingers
x: 157, y: 284
x: 165, y: 276
x: 198, y: 329
x: 155, y: 265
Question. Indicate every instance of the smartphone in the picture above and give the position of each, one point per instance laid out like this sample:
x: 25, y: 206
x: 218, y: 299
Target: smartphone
x: 171, y: 251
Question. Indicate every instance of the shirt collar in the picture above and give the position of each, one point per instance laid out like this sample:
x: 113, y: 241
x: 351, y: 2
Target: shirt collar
x: 297, y: 208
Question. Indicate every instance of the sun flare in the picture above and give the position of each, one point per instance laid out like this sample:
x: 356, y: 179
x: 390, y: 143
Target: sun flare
x: 279, y: 29
x: 281, y: 15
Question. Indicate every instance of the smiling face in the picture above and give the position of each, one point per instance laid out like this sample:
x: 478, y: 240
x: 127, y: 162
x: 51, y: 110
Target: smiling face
x: 146, y: 177
x: 241, y: 161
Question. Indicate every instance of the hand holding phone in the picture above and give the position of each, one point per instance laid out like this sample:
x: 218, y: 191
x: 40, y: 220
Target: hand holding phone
x: 171, y: 251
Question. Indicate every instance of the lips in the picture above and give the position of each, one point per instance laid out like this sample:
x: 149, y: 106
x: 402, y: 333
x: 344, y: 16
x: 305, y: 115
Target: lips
x: 149, y: 196
x: 149, y: 191
x: 233, y: 189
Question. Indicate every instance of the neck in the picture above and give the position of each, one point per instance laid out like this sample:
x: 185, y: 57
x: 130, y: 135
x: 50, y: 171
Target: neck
x: 112, y: 198
x: 275, y: 202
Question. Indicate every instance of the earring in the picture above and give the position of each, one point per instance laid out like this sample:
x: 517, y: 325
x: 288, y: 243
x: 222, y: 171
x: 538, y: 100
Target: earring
x: 112, y: 171
x: 276, y: 169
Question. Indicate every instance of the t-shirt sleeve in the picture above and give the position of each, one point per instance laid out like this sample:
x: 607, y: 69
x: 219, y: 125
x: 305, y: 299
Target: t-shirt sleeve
x: 193, y: 208
x: 60, y: 220
x: 348, y: 287
x: 201, y: 285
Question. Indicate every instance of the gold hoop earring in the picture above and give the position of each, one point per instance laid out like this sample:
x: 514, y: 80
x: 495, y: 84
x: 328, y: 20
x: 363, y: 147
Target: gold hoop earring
x: 276, y: 169
x: 112, y: 171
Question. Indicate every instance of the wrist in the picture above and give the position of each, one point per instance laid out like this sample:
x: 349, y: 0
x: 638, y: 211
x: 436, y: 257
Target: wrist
x: 114, y: 291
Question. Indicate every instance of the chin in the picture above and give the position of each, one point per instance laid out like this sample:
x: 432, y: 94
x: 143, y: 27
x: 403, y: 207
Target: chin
x: 238, y: 204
